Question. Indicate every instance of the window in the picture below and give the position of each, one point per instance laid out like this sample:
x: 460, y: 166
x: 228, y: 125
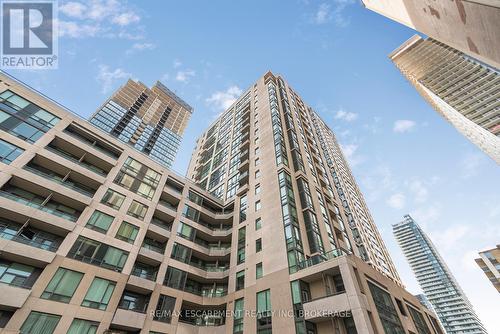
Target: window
x: 386, y: 310
x: 94, y: 252
x: 63, y: 285
x: 113, y: 199
x: 138, y: 178
x: 80, y: 326
x: 258, y: 245
x: 17, y: 274
x: 134, y: 302
x: 240, y: 256
x: 257, y: 189
x: 238, y: 316
x: 99, y: 294
x: 185, y: 231
x: 257, y: 174
x: 164, y: 309
x: 127, y: 232
x: 258, y: 224
x: 419, y: 321
x: 257, y: 162
x: 259, y: 270
x: 40, y: 323
x: 264, y: 320
x: 9, y: 152
x: 257, y: 151
x: 137, y: 210
x: 401, y: 307
x: 23, y: 119
x: 100, y: 221
x: 175, y: 278
x: 257, y: 205
x: 240, y: 280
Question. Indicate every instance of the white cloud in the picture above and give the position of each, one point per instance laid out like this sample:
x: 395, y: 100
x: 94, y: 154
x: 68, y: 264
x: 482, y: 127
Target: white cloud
x: 346, y: 115
x: 221, y: 100
x: 396, y: 201
x: 75, y: 30
x: 448, y: 238
x: 125, y: 19
x: 136, y: 47
x: 326, y: 12
x: 470, y: 164
x: 177, y: 63
x: 73, y: 9
x: 184, y: 76
x: 97, y: 18
x: 106, y: 77
x: 323, y: 14
x: 351, y: 154
x: 420, y: 191
x: 403, y: 125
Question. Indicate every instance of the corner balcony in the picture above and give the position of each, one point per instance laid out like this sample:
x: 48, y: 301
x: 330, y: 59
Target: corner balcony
x: 325, y: 308
x: 129, y: 319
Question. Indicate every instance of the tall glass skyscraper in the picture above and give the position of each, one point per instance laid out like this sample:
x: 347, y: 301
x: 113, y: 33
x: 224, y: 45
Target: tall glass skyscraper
x: 436, y: 280
x: 461, y: 89
x: 151, y: 120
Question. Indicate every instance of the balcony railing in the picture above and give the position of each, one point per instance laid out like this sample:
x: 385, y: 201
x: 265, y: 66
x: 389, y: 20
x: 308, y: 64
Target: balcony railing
x: 46, y: 244
x: 70, y: 157
x: 94, y: 261
x: 38, y: 206
x: 86, y: 192
x: 162, y: 224
x: 168, y: 205
x: 144, y: 274
x: 317, y: 259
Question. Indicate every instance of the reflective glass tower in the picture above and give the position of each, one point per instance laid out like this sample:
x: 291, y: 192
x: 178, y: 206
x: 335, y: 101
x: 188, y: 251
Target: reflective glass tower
x: 151, y: 120
x: 436, y: 280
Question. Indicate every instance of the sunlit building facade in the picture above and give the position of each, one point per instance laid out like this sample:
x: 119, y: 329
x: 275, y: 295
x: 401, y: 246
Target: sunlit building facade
x: 97, y: 237
x: 462, y: 90
x: 151, y: 120
x: 436, y: 280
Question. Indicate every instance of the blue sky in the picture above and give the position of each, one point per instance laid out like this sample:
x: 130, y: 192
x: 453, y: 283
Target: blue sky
x: 405, y: 157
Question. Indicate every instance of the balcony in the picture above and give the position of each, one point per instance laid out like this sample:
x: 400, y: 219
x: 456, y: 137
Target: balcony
x: 317, y: 259
x: 46, y: 201
x: 322, y: 309
x: 13, y: 297
x: 129, y: 319
x: 29, y: 236
x: 68, y: 179
x: 89, y: 139
x: 78, y: 156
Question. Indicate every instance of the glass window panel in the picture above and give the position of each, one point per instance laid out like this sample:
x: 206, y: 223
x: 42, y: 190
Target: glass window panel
x: 40, y: 323
x: 99, y: 293
x: 63, y: 285
x: 80, y: 326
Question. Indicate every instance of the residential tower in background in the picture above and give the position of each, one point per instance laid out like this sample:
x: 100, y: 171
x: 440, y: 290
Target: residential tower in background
x: 463, y: 90
x: 96, y: 237
x: 470, y: 26
x: 151, y: 120
x: 436, y: 280
x: 489, y: 261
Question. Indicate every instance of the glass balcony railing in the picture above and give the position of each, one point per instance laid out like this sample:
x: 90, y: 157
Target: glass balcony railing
x: 42, y: 243
x: 168, y: 205
x: 77, y: 161
x: 144, y: 273
x: 37, y: 205
x: 162, y: 224
x: 317, y: 259
x: 80, y: 188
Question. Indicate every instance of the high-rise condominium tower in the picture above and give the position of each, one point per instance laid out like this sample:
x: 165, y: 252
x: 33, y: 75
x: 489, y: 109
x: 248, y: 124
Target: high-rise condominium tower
x: 436, y: 280
x: 462, y: 90
x: 489, y: 261
x: 307, y: 151
x: 471, y: 26
x: 151, y: 120
x: 96, y: 237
